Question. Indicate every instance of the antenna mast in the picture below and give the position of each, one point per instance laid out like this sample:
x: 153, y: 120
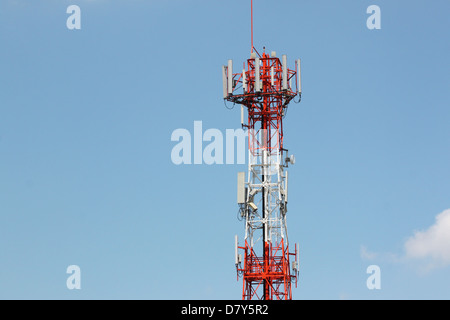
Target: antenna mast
x: 252, y: 23
x: 265, y: 87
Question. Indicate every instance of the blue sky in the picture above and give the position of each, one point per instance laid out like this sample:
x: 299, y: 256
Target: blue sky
x: 86, y: 118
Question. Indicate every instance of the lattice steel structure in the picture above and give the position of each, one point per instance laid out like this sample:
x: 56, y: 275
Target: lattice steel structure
x: 265, y: 87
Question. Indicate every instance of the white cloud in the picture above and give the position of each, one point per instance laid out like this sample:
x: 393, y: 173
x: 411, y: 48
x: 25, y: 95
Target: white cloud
x: 428, y: 249
x: 433, y: 244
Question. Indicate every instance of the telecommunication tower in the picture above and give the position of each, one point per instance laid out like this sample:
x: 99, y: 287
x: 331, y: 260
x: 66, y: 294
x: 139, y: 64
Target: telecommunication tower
x: 265, y: 87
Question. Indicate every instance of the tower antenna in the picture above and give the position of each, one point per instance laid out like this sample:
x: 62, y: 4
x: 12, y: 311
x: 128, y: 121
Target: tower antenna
x: 265, y: 87
x: 252, y: 22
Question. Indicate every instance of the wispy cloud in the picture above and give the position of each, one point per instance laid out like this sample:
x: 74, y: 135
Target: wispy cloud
x: 366, y: 254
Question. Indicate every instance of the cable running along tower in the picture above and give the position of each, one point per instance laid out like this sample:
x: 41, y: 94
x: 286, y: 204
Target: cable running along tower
x: 265, y: 87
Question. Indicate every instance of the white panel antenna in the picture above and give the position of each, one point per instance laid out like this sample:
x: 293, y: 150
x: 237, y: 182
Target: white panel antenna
x: 224, y: 80
x: 272, y: 76
x: 286, y: 188
x: 285, y: 73
x: 257, y: 76
x: 230, y: 76
x: 299, y: 77
x: 236, y: 256
x: 241, y: 188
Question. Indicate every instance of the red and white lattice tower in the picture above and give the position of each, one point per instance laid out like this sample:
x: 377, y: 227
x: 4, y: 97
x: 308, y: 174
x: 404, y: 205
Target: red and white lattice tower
x: 265, y: 87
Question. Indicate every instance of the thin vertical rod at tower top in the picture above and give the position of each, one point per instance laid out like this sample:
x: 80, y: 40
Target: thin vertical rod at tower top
x: 252, y: 22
